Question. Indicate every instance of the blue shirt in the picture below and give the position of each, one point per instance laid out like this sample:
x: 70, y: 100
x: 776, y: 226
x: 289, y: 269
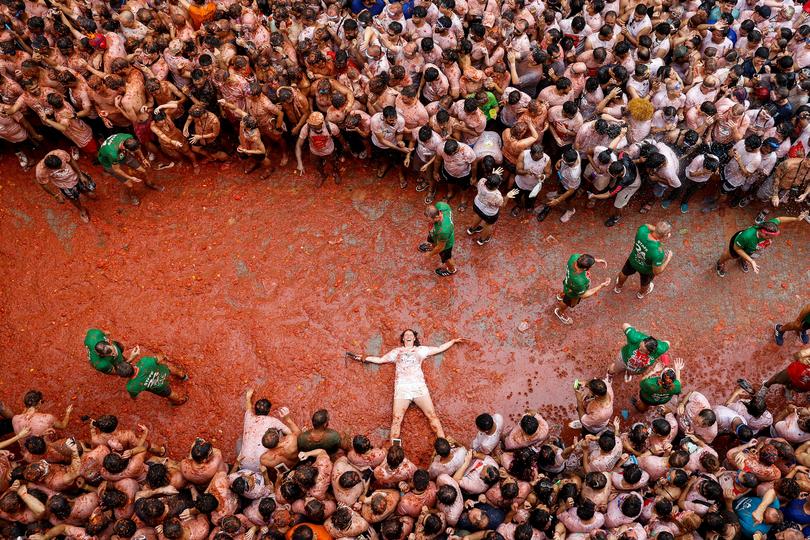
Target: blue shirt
x: 376, y: 9
x: 744, y: 508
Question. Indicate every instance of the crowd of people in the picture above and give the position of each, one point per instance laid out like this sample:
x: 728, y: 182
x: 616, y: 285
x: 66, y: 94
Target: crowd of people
x: 683, y: 468
x: 558, y: 104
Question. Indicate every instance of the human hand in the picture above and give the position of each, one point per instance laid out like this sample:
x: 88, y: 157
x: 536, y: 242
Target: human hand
x: 606, y: 282
x: 679, y: 363
x: 755, y: 267
x: 299, y: 169
x: 804, y: 214
x: 194, y: 139
x: 283, y: 412
x: 498, y: 171
x: 513, y: 193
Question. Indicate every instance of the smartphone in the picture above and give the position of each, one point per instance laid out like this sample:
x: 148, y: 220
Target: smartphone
x: 396, y: 442
x: 281, y: 468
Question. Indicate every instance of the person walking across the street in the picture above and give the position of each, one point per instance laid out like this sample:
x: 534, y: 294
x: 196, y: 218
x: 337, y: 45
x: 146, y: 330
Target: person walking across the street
x: 576, y: 284
x: 647, y: 258
x: 441, y: 237
x: 800, y: 325
x: 747, y: 242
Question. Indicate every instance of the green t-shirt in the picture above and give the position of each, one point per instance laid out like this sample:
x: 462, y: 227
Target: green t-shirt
x: 575, y: 283
x: 636, y: 360
x: 443, y: 231
x: 149, y: 376
x: 646, y: 252
x: 104, y: 364
x: 652, y: 393
x: 108, y: 154
x: 490, y: 108
x: 748, y: 240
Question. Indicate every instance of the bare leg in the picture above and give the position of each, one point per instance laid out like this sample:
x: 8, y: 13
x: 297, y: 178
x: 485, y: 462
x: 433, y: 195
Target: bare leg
x: 400, y: 406
x: 486, y: 232
x: 620, y: 279
x: 426, y: 404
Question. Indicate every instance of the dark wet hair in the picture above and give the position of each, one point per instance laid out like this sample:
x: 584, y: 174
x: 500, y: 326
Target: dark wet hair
x: 262, y: 407
x: 361, y: 444
x: 206, y: 503
x: 266, y: 507
x: 115, y: 463
x: 106, y: 423
x: 421, y: 479
x: 529, y: 424
x: 446, y: 495
x: 586, y: 510
x: 35, y: 445
x: 433, y: 524
x: 32, y: 398
x: 349, y: 479
x: 59, y: 506
x: 442, y: 447
x: 157, y: 475
x: 342, y: 518
x: 631, y: 506
x: 201, y: 450
x: 607, y: 441
x: 395, y: 456
x: 113, y: 498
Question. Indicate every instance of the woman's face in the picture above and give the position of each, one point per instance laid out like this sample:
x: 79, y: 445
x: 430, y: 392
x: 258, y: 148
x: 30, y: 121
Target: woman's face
x: 408, y: 338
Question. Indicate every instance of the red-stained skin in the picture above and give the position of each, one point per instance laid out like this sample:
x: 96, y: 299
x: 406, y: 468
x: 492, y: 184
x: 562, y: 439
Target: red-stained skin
x: 265, y: 284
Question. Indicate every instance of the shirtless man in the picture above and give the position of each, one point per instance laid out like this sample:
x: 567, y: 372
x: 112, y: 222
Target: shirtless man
x: 203, y: 463
x: 38, y: 423
x: 169, y: 137
x: 206, y: 131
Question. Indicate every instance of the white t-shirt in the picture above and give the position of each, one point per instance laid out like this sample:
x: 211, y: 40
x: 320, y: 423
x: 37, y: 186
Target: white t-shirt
x: 489, y: 144
x: 751, y: 161
x: 484, y: 443
x: 389, y: 132
x: 571, y: 175
x: 695, y: 171
x: 535, y: 169
x: 426, y: 150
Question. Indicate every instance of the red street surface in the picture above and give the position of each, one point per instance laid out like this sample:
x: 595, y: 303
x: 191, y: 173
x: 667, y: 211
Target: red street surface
x: 266, y: 284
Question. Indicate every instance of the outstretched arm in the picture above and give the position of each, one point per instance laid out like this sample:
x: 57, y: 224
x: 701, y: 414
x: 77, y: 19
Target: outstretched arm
x: 441, y: 348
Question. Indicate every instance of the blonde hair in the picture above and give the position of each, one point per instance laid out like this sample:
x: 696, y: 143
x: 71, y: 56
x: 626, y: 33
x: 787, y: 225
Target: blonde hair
x: 640, y: 109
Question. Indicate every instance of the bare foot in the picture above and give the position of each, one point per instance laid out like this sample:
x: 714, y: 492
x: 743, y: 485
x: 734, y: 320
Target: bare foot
x: 84, y: 216
x: 284, y: 160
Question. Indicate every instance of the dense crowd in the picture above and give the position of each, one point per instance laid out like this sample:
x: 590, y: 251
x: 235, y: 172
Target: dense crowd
x: 596, y: 101
x: 686, y: 469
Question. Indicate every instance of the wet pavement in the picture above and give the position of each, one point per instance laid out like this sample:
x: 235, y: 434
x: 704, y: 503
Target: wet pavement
x: 265, y: 284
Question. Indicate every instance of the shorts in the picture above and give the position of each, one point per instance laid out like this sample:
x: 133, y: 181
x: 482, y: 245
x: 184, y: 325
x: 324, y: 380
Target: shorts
x: 388, y: 154
x: 623, y: 197
x: 143, y: 133
x: 86, y: 186
x: 444, y: 255
x: 726, y: 188
x: 621, y: 366
x: 91, y: 148
x: 731, y: 250
x: 129, y: 161
x: 509, y: 166
x: 460, y: 181
x: 659, y: 190
x: 489, y: 220
x: 628, y: 270
x: 162, y: 391
x: 571, y: 301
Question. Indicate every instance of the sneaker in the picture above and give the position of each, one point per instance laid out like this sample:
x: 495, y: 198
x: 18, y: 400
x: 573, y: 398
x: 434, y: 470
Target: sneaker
x: 74, y: 153
x: 744, y: 266
x: 650, y: 288
x: 720, y: 270
x: 665, y: 203
x: 616, y: 288
x: 543, y: 213
x: 559, y: 298
x: 805, y: 337
x: 611, y: 221
x: 778, y: 335
x: 471, y: 231
x: 23, y: 159
x: 482, y: 241
x: 760, y: 219
x: 566, y: 217
x: 444, y: 272
x: 562, y: 317
x: 575, y: 424
x: 745, y: 202
x: 684, y: 208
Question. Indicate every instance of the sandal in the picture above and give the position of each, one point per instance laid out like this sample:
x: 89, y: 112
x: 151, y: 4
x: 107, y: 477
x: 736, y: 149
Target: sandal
x: 516, y: 211
x: 403, y: 183
x: 430, y: 197
x: 562, y: 317
x: 422, y: 186
x: 444, y: 272
x: 462, y: 207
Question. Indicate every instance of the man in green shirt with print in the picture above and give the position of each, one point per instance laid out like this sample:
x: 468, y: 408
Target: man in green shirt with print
x: 104, y: 354
x: 122, y: 149
x: 576, y: 284
x: 659, y: 389
x: 441, y: 237
x: 647, y: 258
x: 638, y: 354
x: 745, y: 243
x: 151, y: 374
